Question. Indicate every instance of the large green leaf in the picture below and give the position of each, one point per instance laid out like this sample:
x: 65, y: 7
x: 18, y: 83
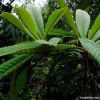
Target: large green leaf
x: 92, y: 47
x: 11, y: 65
x: 96, y: 36
x: 12, y: 19
x: 37, y: 16
x: 53, y: 19
x: 60, y: 32
x: 68, y: 15
x: 20, y: 77
x: 18, y: 47
x: 27, y: 20
x: 95, y: 27
x: 83, y: 22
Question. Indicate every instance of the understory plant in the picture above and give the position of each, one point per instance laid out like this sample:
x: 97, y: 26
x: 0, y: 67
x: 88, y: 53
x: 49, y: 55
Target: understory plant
x: 82, y: 48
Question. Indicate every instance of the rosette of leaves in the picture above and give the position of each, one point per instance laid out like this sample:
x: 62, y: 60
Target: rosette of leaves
x: 30, y: 22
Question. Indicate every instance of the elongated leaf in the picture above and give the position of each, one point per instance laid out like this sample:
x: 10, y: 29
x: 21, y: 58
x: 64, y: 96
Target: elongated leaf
x: 53, y: 19
x: 11, y: 65
x: 18, y: 82
x: 96, y: 36
x: 92, y: 47
x: 12, y: 19
x: 60, y: 32
x: 95, y: 27
x: 18, y: 47
x: 83, y: 22
x: 61, y: 47
x: 37, y: 16
x: 27, y: 20
x: 68, y: 15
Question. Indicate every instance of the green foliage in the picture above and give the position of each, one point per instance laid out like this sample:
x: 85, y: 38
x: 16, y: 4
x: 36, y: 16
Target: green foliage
x: 95, y: 27
x: 18, y: 47
x: 60, y: 32
x: 96, y: 36
x: 82, y: 22
x: 30, y: 25
x: 61, y: 47
x: 54, y: 18
x: 92, y: 47
x: 11, y: 65
x: 37, y: 16
x: 52, y: 41
x: 11, y: 18
x: 68, y: 15
x: 18, y: 82
x: 58, y: 68
x: 27, y: 21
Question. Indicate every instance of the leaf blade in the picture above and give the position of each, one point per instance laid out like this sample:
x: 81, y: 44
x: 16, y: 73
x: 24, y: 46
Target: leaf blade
x: 27, y: 20
x: 53, y: 19
x: 12, y: 19
x: 18, y: 47
x: 60, y: 32
x: 18, y: 82
x: 11, y: 65
x: 92, y: 47
x: 69, y: 16
x: 61, y: 47
x: 37, y: 16
x: 96, y: 36
x: 82, y: 22
x: 95, y: 27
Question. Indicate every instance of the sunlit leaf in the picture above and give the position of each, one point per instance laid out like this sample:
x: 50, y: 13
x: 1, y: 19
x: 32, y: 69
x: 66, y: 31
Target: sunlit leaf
x: 83, y: 22
x: 27, y: 21
x: 12, y: 19
x: 37, y: 16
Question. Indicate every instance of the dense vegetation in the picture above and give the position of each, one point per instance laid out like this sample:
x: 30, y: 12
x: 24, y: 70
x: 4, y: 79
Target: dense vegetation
x: 53, y: 55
